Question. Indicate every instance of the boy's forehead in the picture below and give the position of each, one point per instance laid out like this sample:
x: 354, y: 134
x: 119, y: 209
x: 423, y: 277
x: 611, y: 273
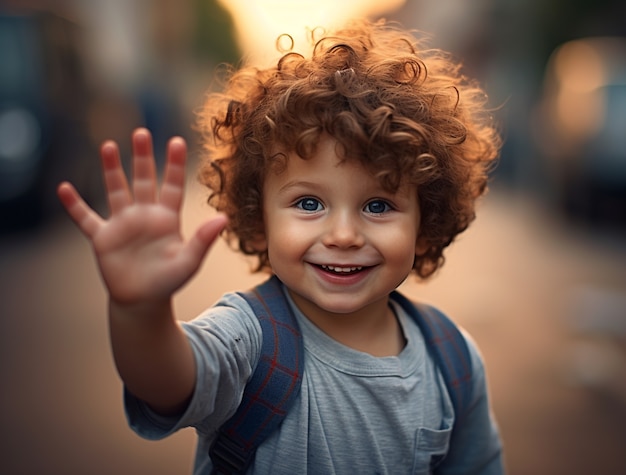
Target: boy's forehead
x: 325, y: 151
x: 295, y: 169
x: 337, y: 153
x: 324, y: 145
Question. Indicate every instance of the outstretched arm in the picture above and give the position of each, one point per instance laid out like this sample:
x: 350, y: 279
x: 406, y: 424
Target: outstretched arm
x: 143, y: 260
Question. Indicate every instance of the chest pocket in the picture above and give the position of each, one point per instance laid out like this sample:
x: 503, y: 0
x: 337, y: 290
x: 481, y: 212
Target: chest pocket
x: 431, y: 448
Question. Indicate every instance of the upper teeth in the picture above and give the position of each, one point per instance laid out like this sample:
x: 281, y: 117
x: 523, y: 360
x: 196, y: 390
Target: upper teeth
x: 341, y: 269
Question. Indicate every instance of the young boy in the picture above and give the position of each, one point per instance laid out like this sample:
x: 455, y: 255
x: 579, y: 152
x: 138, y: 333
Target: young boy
x: 342, y: 172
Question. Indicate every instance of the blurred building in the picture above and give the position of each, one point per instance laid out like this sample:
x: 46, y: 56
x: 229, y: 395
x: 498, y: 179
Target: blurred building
x: 77, y: 73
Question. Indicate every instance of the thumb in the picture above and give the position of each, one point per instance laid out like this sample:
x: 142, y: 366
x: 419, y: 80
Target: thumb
x: 205, y: 236
x: 209, y: 231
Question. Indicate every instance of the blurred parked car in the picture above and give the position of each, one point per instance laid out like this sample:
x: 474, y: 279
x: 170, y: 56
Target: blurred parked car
x: 43, y: 115
x: 581, y: 129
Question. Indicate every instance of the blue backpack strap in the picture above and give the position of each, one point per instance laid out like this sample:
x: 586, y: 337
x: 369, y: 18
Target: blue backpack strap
x: 273, y: 386
x: 448, y: 347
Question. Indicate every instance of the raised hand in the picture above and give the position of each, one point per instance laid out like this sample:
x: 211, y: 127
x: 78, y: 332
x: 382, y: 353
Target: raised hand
x: 140, y: 252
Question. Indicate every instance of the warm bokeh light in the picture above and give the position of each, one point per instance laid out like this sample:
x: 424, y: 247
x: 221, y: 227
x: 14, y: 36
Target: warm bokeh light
x: 260, y: 22
x: 578, y: 66
x: 579, y: 103
x: 576, y: 95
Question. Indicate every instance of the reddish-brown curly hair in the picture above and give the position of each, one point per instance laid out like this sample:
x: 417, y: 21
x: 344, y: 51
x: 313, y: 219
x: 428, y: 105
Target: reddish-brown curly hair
x: 402, y: 110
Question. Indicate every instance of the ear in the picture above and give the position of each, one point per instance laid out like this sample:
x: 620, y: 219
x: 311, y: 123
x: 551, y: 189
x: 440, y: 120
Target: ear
x: 258, y: 243
x: 421, y: 246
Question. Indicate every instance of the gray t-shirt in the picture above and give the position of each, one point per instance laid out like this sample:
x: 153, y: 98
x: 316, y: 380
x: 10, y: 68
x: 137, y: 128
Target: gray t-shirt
x: 355, y: 413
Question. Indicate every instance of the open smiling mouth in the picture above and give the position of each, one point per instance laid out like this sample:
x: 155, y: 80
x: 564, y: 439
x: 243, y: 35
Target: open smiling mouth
x: 341, y: 270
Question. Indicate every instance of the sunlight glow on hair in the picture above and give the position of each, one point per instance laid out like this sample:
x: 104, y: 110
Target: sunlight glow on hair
x: 260, y: 22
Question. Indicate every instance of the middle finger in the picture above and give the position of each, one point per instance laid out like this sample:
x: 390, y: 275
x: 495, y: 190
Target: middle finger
x: 144, y: 170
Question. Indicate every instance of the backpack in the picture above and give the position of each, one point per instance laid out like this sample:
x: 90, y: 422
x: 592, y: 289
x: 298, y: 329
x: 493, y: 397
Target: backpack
x: 275, y: 383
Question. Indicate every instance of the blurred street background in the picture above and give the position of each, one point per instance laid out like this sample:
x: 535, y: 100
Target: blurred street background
x: 539, y: 279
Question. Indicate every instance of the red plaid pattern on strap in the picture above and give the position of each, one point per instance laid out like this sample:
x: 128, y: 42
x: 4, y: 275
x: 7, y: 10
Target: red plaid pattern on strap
x: 273, y: 387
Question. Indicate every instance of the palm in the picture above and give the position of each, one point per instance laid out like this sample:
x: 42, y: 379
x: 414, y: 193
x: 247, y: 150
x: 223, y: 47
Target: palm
x: 140, y: 252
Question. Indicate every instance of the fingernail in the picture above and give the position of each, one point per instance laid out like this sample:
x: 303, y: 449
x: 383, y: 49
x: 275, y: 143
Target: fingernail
x: 107, y: 146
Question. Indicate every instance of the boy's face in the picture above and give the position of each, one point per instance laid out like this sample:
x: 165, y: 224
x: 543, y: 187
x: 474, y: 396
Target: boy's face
x: 334, y: 236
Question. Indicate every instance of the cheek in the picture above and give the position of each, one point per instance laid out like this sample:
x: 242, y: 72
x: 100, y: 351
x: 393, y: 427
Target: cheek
x: 400, y: 246
x: 285, y: 249
x: 288, y: 239
x: 284, y: 224
x: 283, y: 235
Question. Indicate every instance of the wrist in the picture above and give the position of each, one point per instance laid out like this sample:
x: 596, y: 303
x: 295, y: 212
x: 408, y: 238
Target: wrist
x: 151, y: 310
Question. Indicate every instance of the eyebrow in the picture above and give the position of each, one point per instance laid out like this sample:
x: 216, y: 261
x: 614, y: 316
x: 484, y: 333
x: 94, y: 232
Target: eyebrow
x: 299, y: 184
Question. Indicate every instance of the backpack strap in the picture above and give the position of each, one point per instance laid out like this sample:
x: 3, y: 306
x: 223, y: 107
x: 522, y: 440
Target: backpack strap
x: 448, y: 347
x: 276, y: 380
x: 273, y: 386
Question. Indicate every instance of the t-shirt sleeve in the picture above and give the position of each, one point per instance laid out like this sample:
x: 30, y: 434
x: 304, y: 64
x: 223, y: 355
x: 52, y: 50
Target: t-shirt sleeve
x: 475, y: 447
x: 226, y: 342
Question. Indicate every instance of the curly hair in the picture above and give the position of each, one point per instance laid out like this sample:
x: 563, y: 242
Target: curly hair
x: 404, y: 111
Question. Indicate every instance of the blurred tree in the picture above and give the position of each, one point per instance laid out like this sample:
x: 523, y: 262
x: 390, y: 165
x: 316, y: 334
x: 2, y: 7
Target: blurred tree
x: 214, y: 38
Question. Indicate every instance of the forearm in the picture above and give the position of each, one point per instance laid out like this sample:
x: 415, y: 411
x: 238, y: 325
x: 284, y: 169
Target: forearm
x: 152, y: 354
x: 142, y: 257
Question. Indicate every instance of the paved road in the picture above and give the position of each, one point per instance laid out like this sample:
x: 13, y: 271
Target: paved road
x: 517, y: 280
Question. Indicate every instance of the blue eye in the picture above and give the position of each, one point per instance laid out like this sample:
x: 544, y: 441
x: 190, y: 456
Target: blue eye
x: 377, y: 207
x: 309, y: 204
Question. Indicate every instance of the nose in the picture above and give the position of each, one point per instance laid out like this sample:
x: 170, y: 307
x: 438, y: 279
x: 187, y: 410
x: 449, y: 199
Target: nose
x: 343, y: 231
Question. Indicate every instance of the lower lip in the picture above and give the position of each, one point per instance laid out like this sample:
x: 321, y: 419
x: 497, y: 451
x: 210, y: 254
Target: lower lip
x: 342, y: 279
